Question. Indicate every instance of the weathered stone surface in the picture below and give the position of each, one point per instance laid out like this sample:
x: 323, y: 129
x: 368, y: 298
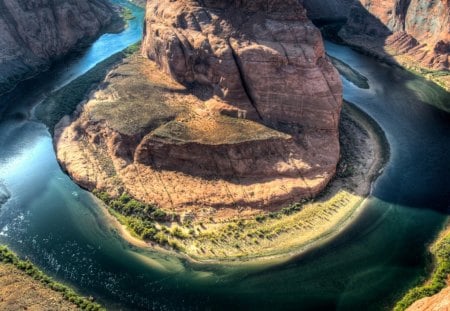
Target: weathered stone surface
x: 263, y: 57
x: 416, y: 28
x: 438, y: 302
x: 35, y: 32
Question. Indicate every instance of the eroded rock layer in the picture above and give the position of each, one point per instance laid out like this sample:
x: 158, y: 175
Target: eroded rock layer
x: 417, y: 28
x: 237, y: 112
x: 35, y: 32
x: 263, y: 57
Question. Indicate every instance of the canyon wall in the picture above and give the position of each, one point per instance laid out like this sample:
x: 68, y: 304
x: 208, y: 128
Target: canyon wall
x: 414, y: 32
x: 418, y: 29
x: 264, y: 58
x: 35, y: 32
x: 233, y: 106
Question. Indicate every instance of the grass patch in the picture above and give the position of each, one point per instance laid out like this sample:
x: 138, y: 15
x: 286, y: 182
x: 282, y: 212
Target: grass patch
x: 438, y: 280
x: 144, y: 220
x: 65, y: 100
x: 8, y: 257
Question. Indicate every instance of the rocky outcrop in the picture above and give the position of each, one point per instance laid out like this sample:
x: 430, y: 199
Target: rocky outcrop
x: 35, y: 32
x: 4, y: 194
x: 239, y: 114
x: 263, y: 57
x: 418, y: 29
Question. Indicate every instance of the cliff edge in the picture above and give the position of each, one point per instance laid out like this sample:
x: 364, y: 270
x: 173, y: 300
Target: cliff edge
x: 33, y: 33
x: 414, y: 34
x: 418, y: 29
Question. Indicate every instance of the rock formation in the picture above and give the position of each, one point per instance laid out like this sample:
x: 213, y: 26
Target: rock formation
x: 250, y: 122
x: 264, y: 58
x: 35, y: 32
x: 415, y: 32
x: 419, y: 29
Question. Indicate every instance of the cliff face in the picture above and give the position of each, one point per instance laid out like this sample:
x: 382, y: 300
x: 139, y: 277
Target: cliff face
x: 416, y: 32
x: 239, y: 110
x: 263, y: 57
x: 419, y: 29
x: 35, y: 32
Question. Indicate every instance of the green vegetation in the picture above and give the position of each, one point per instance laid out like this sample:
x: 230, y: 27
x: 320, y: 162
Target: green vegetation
x: 144, y: 220
x: 441, y: 251
x: 8, y: 257
x: 127, y: 14
x: 65, y: 100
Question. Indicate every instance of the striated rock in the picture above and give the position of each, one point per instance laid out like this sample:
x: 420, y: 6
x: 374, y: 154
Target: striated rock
x: 417, y: 29
x: 35, y: 32
x: 438, y: 302
x: 238, y: 112
x: 263, y: 57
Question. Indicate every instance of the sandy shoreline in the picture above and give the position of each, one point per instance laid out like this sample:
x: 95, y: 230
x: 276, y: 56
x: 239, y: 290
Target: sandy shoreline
x: 292, y: 243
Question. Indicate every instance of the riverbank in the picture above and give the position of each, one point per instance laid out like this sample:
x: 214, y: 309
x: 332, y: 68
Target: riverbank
x: 278, y: 236
x: 25, y: 287
x: 435, y: 292
x: 65, y: 100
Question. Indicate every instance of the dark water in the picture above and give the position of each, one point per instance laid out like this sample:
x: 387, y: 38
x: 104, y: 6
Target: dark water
x: 59, y: 227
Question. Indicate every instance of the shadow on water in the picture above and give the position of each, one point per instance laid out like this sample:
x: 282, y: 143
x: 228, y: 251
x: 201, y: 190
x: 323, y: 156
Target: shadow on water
x: 50, y: 220
x: 408, y: 103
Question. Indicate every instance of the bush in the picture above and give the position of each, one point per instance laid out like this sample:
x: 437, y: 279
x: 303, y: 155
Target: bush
x: 438, y: 279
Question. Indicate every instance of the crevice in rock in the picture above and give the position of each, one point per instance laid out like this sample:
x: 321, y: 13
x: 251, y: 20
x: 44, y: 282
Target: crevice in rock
x: 245, y: 85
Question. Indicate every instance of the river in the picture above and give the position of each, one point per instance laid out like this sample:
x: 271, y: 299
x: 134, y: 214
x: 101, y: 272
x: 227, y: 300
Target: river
x: 61, y: 228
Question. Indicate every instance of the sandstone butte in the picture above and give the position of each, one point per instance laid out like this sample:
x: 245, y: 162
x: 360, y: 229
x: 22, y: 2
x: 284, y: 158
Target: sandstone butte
x: 33, y: 33
x: 413, y: 33
x: 240, y: 116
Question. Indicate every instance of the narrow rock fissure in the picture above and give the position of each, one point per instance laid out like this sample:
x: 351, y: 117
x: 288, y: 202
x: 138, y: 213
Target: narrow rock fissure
x: 243, y: 80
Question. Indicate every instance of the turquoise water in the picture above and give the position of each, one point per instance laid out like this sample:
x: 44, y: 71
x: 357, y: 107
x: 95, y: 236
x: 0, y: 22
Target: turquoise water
x: 60, y: 227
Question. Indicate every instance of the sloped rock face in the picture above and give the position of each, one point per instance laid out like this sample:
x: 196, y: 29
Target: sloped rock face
x: 35, y: 32
x: 419, y: 29
x: 263, y: 57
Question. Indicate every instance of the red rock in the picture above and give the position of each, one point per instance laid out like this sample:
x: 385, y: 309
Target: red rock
x: 35, y: 32
x: 416, y: 28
